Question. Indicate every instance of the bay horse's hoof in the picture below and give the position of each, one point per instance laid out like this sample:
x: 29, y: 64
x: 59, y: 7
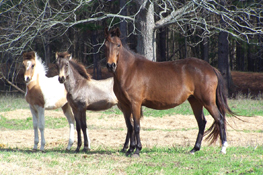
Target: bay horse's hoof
x: 135, y: 156
x: 123, y: 150
x: 192, y: 151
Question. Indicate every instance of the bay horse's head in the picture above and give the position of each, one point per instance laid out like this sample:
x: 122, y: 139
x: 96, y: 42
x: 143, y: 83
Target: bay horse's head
x: 29, y: 62
x: 113, y: 45
x: 63, y: 65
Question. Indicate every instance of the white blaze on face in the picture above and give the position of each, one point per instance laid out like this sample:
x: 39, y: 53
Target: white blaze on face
x: 28, y: 66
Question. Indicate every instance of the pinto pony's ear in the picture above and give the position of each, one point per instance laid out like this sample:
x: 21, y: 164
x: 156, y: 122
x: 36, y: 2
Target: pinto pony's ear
x: 56, y: 55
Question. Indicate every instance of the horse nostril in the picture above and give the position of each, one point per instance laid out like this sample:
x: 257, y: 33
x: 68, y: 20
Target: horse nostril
x: 108, y: 65
x: 113, y: 65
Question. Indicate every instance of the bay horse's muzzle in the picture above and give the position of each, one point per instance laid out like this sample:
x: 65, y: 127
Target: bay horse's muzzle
x: 111, y: 67
x: 61, y: 79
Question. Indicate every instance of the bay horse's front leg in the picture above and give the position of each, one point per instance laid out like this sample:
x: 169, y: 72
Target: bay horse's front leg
x: 127, y: 116
x: 136, y: 111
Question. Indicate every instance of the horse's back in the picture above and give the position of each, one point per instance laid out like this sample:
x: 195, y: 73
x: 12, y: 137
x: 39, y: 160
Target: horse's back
x: 168, y: 84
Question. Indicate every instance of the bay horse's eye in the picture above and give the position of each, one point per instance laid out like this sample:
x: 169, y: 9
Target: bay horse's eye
x: 33, y: 66
x: 119, y: 45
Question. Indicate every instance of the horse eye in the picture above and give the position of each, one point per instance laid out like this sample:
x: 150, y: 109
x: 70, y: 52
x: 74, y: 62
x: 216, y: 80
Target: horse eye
x: 119, y: 45
x: 33, y: 66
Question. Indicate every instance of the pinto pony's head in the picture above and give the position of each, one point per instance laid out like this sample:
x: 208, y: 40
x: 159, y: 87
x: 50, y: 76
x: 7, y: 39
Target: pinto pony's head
x: 29, y: 62
x: 113, y: 45
x: 63, y: 65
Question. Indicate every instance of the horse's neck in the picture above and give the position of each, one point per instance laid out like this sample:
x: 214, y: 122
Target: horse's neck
x: 73, y: 80
x: 125, y: 62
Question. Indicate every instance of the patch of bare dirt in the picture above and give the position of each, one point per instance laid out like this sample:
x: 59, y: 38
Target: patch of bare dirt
x: 110, y: 131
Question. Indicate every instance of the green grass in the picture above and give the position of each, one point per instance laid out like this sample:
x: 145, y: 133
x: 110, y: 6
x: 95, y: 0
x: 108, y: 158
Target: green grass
x: 174, y: 160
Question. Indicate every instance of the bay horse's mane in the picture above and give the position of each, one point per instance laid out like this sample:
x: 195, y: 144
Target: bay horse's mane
x: 80, y: 68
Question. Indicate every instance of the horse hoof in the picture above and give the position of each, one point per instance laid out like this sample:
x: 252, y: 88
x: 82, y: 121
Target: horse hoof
x: 123, y: 150
x: 85, y: 150
x: 223, y: 152
x: 34, y: 150
x: 135, y: 156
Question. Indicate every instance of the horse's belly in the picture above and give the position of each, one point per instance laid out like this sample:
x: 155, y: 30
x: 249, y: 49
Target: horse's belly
x: 159, y: 105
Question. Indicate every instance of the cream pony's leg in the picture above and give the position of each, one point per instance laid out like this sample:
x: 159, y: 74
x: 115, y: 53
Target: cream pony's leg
x: 41, y: 126
x: 34, y: 113
x: 68, y: 113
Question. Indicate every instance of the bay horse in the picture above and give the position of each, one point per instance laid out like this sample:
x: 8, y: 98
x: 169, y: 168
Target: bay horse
x: 84, y: 93
x: 43, y: 93
x: 163, y: 85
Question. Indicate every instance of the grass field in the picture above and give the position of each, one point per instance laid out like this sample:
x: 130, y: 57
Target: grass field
x: 106, y: 159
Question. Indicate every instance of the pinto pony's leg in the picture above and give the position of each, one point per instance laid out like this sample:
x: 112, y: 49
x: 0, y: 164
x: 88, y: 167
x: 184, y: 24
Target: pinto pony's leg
x: 35, y: 126
x: 41, y: 125
x: 68, y: 113
x: 197, y: 108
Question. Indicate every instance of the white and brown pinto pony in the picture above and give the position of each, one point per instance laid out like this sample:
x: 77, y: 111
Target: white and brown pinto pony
x: 44, y: 93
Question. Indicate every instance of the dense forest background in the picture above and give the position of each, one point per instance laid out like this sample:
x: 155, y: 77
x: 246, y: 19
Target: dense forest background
x: 227, y: 34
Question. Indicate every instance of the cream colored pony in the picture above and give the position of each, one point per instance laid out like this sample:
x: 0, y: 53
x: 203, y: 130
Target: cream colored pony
x: 44, y: 93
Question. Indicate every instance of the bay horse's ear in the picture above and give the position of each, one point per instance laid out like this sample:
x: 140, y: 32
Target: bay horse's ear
x: 118, y: 32
x: 106, y: 31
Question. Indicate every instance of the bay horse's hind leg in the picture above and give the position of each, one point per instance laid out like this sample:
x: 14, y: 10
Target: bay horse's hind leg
x: 218, y: 127
x: 68, y: 113
x: 197, y: 108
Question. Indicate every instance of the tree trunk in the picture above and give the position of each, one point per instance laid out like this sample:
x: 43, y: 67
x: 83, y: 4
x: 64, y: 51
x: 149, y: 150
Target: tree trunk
x: 123, y: 24
x: 96, y: 66
x: 240, y: 58
x: 250, y: 60
x: 161, y: 56
x: 223, y: 61
x: 205, y: 50
x: 146, y: 44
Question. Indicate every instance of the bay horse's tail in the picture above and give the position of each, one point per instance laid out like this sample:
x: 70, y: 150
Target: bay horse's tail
x: 221, y: 102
